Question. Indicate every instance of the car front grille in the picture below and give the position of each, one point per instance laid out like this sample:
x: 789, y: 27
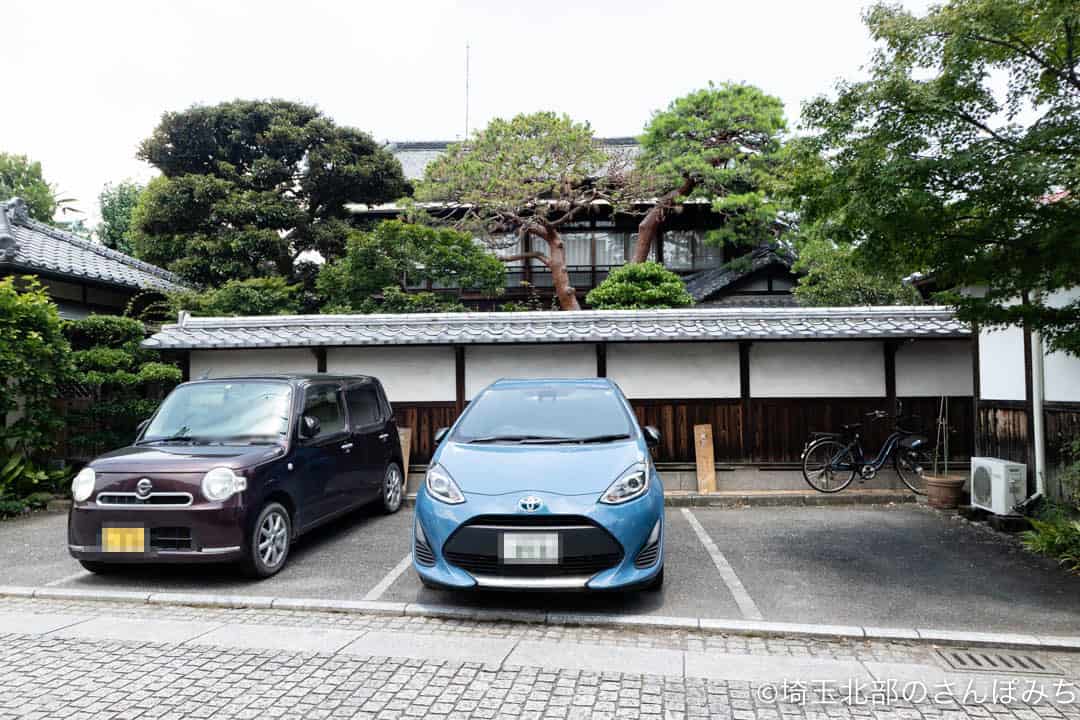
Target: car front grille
x: 158, y: 499
x: 648, y: 555
x: 422, y: 553
x: 586, y: 548
x: 170, y: 538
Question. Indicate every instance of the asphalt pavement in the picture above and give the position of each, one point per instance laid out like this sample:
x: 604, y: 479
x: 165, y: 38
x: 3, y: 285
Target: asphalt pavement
x: 888, y: 566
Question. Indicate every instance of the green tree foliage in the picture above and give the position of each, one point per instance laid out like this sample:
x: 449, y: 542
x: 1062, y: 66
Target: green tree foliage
x: 719, y: 144
x: 254, y: 296
x: 117, y: 203
x: 640, y: 286
x: 34, y: 362
x: 834, y: 275
x: 248, y: 186
x: 398, y: 254
x: 960, y: 156
x: 124, y: 381
x: 22, y: 178
x: 529, y: 175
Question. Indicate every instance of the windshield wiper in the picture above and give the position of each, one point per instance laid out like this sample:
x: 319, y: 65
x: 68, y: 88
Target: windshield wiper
x: 173, y: 438
x: 520, y: 439
x: 611, y: 437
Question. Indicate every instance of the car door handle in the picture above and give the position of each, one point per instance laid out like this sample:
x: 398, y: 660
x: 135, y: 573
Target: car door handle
x: 383, y: 436
x: 347, y: 447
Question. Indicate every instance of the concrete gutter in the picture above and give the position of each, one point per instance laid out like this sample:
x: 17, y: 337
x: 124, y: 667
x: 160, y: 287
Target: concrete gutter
x: 658, y: 622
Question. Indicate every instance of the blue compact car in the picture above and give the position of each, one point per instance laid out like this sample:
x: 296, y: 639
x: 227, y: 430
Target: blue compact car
x: 542, y: 485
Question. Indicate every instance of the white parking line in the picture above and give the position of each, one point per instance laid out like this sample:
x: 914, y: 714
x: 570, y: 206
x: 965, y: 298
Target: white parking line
x: 67, y: 578
x: 742, y: 598
x: 376, y: 592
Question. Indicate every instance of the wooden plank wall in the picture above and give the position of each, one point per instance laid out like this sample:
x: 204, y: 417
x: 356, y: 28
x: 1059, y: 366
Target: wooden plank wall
x: 779, y: 426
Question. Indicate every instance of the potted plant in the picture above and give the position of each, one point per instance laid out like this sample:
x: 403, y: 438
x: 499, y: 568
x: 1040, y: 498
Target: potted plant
x: 944, y: 489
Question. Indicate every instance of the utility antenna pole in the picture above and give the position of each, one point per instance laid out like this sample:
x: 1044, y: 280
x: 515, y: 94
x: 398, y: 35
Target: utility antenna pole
x: 466, y: 91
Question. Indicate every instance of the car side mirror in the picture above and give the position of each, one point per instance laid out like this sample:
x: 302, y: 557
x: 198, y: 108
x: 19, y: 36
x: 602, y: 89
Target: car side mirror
x: 309, y: 426
x: 652, y: 436
x: 440, y: 434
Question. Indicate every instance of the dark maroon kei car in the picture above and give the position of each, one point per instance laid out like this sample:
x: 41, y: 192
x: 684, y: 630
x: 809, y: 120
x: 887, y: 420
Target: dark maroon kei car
x: 235, y: 469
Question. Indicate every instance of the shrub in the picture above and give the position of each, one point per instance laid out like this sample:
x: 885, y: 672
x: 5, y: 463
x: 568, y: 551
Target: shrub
x: 639, y: 286
x: 254, y: 296
x: 1058, y: 538
x: 34, y: 360
x: 123, y: 381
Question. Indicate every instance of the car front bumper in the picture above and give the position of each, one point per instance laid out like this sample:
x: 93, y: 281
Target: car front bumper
x: 629, y: 525
x: 212, y: 532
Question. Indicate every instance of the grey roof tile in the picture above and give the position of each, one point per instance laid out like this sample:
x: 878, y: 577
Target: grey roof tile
x: 38, y: 247
x: 555, y: 327
x: 706, y: 284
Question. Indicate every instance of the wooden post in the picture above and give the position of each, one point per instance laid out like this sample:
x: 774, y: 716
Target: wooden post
x: 745, y: 401
x: 405, y: 437
x: 459, y: 378
x: 703, y: 453
x: 601, y: 359
x: 890, y: 376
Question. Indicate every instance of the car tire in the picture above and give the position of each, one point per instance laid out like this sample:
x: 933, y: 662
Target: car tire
x: 657, y: 582
x: 393, y: 488
x: 271, y: 538
x: 96, y: 567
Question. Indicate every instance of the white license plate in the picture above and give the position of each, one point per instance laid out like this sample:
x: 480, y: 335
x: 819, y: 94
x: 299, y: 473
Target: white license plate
x: 530, y: 548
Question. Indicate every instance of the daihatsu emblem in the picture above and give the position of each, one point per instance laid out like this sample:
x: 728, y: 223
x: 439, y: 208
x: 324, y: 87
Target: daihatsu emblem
x: 143, y: 488
x: 530, y: 503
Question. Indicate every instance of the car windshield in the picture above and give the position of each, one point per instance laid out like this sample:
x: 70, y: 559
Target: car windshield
x: 545, y: 414
x: 223, y: 412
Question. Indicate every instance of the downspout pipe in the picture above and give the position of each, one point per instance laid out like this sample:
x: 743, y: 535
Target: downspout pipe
x: 1038, y: 397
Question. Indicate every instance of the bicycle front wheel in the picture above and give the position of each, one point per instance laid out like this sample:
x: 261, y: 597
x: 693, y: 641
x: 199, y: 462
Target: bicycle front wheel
x: 909, y: 466
x: 828, y: 466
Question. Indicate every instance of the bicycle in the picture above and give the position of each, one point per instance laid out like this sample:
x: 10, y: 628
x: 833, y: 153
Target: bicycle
x: 831, y: 461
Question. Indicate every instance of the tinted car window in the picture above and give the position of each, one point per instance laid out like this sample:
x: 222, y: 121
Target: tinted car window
x: 557, y: 411
x: 324, y: 403
x: 363, y: 405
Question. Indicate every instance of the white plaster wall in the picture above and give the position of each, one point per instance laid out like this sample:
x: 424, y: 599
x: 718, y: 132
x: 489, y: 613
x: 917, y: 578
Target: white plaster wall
x: 1001, y: 364
x: 834, y: 368
x: 229, y: 363
x: 1061, y: 371
x: 485, y: 364
x: 937, y: 367
x: 408, y: 373
x: 684, y: 370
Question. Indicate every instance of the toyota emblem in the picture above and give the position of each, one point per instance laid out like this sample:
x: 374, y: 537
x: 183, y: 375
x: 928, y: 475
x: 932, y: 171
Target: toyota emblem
x: 530, y: 503
x: 143, y: 488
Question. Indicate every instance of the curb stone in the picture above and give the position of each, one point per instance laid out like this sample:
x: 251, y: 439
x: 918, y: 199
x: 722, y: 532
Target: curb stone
x: 708, y: 625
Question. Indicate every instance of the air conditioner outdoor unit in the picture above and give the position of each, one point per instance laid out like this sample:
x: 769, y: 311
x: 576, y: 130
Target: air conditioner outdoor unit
x: 997, y: 485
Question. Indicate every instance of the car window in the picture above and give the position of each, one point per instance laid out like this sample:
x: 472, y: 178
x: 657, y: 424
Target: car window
x: 324, y: 402
x: 241, y: 411
x: 363, y: 405
x: 545, y: 411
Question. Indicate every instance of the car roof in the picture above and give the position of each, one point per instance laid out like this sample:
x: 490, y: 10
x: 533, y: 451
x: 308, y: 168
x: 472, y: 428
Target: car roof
x: 596, y: 382
x: 293, y: 378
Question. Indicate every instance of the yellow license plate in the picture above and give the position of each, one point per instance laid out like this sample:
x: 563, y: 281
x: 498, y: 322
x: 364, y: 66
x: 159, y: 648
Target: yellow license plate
x: 123, y: 539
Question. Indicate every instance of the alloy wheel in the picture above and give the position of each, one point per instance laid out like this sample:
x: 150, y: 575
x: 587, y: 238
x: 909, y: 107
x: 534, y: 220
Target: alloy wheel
x: 392, y: 488
x: 273, y: 539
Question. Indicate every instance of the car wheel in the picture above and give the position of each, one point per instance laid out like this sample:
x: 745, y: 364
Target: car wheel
x: 271, y: 537
x: 95, y: 567
x: 657, y: 582
x: 393, y: 490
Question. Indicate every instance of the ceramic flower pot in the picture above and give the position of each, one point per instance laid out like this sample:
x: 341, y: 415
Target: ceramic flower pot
x: 944, y: 491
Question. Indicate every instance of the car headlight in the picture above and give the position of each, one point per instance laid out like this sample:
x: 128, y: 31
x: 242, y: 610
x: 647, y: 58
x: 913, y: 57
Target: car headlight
x: 82, y: 486
x: 631, y: 484
x: 222, y: 483
x: 442, y: 487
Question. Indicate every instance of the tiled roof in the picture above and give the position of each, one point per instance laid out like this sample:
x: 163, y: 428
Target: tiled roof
x: 415, y: 156
x: 30, y: 246
x: 556, y: 327
x: 705, y: 284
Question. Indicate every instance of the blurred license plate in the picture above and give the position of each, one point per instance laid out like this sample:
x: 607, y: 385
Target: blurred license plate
x: 530, y: 548
x: 123, y: 539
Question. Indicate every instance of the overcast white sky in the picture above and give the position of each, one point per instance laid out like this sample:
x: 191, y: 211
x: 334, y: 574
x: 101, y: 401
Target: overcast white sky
x: 84, y: 82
